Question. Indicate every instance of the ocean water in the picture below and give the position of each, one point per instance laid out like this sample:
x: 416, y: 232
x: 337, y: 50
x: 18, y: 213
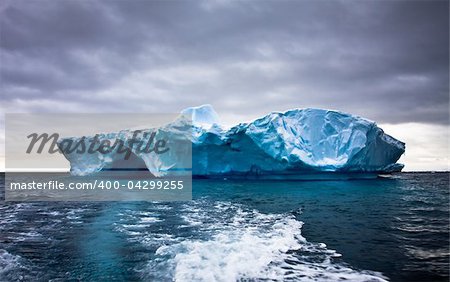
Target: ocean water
x: 394, y: 229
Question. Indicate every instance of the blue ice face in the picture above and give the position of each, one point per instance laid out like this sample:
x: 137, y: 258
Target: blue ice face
x: 284, y: 145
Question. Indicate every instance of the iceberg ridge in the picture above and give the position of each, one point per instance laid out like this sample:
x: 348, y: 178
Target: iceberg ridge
x: 280, y: 145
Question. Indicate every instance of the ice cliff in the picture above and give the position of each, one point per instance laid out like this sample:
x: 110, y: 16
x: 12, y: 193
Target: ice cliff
x: 287, y: 145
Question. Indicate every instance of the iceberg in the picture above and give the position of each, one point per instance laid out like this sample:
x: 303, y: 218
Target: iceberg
x: 295, y: 144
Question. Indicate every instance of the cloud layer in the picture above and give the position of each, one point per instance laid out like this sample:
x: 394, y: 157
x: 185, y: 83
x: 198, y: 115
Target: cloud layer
x: 387, y: 61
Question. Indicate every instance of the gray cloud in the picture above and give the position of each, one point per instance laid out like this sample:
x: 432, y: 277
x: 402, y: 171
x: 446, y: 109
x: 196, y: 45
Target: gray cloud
x: 387, y: 61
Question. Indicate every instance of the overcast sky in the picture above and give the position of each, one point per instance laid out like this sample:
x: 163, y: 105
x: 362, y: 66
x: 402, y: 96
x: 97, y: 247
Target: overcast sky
x: 384, y: 60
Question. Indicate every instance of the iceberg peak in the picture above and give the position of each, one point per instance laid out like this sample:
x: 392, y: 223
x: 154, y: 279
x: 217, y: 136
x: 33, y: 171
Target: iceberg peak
x: 202, y: 116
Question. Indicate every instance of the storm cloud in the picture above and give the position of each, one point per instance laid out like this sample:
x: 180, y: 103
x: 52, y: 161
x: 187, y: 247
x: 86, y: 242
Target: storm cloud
x: 387, y: 61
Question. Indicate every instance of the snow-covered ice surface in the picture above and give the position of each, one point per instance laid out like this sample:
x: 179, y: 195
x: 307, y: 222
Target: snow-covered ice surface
x: 296, y: 144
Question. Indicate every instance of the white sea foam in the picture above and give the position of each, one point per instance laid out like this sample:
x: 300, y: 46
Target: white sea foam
x: 136, y: 224
x: 240, y: 244
x: 10, y: 265
x: 162, y: 207
x: 7, y: 262
x: 149, y: 219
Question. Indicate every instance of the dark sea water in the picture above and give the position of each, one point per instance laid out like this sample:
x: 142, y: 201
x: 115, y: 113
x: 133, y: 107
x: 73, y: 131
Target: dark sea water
x: 393, y: 229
